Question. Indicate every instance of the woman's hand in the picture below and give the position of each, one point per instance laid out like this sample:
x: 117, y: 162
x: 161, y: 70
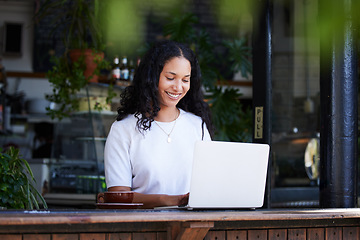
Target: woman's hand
x: 175, y: 200
x: 184, y: 199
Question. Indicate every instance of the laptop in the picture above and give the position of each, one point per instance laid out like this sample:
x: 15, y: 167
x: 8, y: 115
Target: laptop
x: 228, y: 175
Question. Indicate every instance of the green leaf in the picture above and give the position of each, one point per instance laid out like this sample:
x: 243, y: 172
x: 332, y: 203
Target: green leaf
x: 29, y: 171
x: 34, y: 190
x: 4, y: 186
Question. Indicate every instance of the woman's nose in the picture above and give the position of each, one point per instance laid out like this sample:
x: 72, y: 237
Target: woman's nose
x: 177, y: 84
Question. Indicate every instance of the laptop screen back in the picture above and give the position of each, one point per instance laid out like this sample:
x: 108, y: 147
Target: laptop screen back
x: 228, y: 175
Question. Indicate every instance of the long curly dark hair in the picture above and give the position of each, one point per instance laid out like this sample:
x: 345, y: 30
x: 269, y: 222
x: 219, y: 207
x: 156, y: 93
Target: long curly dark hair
x: 141, y: 97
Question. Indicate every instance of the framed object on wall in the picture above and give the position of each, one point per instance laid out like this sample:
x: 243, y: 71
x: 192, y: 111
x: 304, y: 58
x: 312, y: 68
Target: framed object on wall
x: 12, y: 42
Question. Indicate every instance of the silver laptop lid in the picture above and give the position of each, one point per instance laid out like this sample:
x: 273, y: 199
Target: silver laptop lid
x: 228, y: 175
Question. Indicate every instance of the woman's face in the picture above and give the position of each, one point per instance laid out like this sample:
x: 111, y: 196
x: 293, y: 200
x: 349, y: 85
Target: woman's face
x: 174, y: 81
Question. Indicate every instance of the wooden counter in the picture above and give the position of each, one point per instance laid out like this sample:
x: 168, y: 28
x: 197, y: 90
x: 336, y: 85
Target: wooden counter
x: 181, y: 224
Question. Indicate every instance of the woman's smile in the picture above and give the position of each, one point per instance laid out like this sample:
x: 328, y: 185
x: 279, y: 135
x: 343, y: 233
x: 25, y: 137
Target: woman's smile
x: 173, y: 95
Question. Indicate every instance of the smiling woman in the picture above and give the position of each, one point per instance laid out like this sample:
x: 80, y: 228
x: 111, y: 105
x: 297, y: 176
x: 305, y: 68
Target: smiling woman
x: 154, y: 160
x: 174, y: 83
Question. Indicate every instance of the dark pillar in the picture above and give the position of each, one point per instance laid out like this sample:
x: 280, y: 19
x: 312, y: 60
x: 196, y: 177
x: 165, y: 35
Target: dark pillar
x: 339, y: 91
x: 262, y: 81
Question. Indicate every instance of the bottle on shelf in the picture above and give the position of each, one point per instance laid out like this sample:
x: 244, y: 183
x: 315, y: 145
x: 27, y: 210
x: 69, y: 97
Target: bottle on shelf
x: 115, y: 72
x: 131, y: 71
x: 124, y: 69
x: 138, y: 60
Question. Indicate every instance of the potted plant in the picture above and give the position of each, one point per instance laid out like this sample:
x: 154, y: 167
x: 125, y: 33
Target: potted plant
x: 16, y: 186
x: 82, y: 58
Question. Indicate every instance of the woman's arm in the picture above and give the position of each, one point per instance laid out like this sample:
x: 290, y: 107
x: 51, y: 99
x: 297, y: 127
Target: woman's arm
x: 155, y: 200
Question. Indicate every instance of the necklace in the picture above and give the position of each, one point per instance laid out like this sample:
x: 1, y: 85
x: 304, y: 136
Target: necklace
x: 168, y: 134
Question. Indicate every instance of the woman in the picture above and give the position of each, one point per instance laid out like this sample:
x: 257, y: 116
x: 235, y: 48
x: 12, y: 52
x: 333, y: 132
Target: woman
x: 149, y: 148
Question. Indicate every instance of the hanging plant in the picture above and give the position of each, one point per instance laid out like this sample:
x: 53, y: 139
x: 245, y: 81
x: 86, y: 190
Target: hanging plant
x: 76, y: 22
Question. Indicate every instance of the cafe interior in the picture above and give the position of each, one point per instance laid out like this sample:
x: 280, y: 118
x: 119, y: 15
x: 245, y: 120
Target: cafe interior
x: 65, y: 152
x: 276, y: 72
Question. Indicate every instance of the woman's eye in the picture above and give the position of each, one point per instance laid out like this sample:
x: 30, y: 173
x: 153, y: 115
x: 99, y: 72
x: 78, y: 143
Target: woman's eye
x: 170, y: 78
x: 186, y: 80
